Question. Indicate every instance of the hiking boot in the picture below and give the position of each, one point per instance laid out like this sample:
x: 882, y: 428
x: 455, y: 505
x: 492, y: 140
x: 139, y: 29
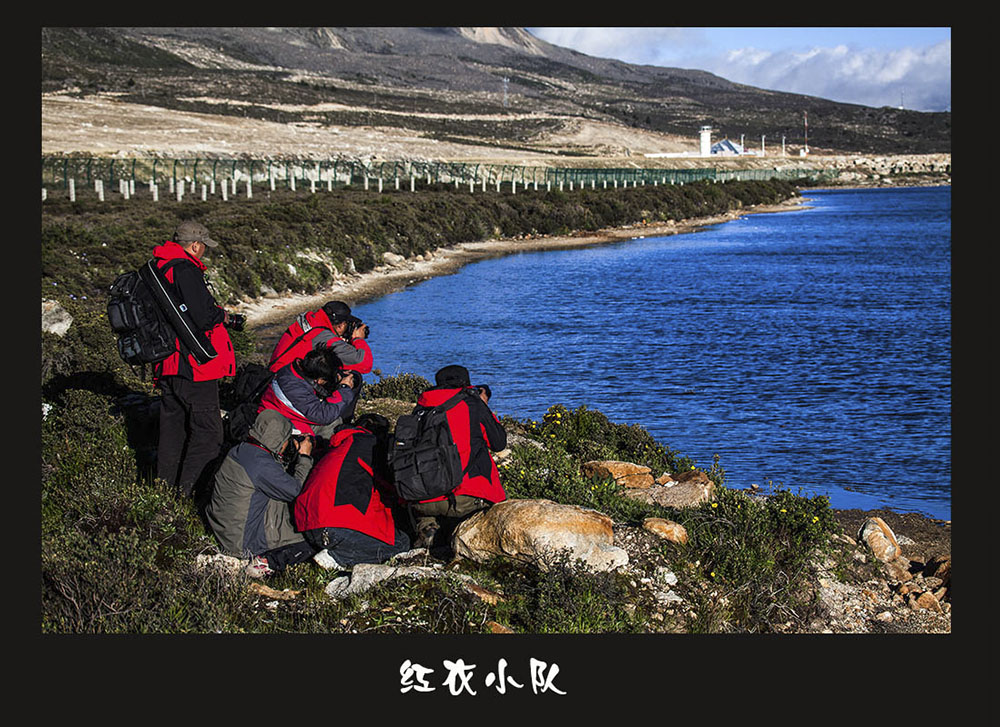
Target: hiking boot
x: 326, y: 561
x: 258, y: 567
x: 426, y: 537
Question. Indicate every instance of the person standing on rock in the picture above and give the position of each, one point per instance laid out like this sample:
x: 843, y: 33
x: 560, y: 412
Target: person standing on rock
x: 250, y: 508
x: 345, y: 509
x: 191, y: 435
x: 476, y: 431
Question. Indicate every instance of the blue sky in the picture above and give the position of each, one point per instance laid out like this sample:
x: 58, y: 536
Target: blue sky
x: 871, y: 66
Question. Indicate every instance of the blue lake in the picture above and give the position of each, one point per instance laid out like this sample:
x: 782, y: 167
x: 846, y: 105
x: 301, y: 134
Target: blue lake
x: 810, y: 349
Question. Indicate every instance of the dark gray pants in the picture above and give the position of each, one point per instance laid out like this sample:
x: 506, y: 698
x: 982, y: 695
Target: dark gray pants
x: 446, y: 513
x: 349, y: 547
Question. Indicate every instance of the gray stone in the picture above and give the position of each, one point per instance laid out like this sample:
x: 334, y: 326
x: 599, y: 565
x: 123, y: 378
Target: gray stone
x: 55, y: 319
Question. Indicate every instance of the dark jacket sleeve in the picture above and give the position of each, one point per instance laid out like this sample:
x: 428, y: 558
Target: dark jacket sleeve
x: 495, y: 434
x: 190, y: 284
x: 270, y: 478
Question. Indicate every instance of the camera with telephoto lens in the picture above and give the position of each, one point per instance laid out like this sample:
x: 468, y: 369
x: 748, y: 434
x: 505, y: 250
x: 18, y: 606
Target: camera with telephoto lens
x: 236, y: 321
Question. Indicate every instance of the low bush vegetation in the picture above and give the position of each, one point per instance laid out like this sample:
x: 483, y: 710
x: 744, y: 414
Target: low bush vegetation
x: 298, y: 242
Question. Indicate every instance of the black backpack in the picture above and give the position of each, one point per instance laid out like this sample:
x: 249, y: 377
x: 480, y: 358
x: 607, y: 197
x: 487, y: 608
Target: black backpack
x: 424, y: 457
x: 143, y: 333
x: 249, y: 385
x: 147, y: 317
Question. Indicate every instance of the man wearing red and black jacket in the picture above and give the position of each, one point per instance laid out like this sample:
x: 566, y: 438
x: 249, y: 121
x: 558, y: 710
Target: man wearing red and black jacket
x: 345, y: 508
x: 326, y: 327
x: 475, y: 430
x: 190, y: 421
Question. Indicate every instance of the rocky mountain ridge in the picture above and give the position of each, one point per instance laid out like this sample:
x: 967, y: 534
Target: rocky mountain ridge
x: 391, y: 79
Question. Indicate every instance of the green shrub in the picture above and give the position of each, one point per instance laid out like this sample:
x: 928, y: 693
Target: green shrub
x: 405, y: 387
x: 756, y: 554
x: 566, y: 598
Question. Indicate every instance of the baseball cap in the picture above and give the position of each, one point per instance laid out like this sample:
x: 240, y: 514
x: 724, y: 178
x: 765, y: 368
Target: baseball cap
x: 191, y: 231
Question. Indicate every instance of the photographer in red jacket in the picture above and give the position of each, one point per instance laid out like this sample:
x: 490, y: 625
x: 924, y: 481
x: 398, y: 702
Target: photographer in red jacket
x: 190, y: 423
x: 476, y: 431
x: 331, y: 326
x: 345, y: 508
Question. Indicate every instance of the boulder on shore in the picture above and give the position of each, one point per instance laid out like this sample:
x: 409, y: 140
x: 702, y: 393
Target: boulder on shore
x: 539, y: 532
x: 624, y: 473
x: 880, y: 539
x: 684, y: 490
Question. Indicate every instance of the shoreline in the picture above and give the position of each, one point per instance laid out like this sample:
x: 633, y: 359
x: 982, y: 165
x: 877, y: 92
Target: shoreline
x: 264, y: 313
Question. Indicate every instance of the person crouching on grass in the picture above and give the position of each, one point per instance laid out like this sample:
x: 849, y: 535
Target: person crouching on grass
x: 345, y: 509
x: 313, y: 393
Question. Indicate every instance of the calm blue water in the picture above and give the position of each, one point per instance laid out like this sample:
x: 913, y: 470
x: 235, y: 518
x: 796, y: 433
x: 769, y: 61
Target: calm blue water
x: 809, y: 348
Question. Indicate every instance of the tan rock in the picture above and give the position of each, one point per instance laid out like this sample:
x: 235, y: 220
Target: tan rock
x: 485, y: 595
x: 691, y: 492
x: 928, y: 601
x: 267, y: 592
x: 538, y: 532
x: 940, y: 594
x: 880, y: 538
x: 666, y: 529
x: 624, y: 473
x: 899, y: 569
x: 498, y: 628
x: 697, y: 476
x: 665, y: 480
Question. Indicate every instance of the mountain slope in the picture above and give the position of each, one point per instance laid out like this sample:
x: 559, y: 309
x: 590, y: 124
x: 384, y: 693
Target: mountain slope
x: 430, y: 80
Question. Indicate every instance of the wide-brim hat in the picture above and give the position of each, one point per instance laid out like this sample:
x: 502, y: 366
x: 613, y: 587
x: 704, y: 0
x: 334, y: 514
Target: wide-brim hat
x: 191, y: 231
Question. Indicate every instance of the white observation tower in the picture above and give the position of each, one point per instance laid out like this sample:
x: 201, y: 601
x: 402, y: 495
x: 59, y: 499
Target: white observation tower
x: 706, y: 141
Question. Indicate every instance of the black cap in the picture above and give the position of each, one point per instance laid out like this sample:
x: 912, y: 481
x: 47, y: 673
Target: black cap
x: 336, y: 310
x: 452, y: 376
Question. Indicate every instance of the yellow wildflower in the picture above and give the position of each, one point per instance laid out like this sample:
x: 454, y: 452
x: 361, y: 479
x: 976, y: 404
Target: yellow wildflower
x: 715, y: 504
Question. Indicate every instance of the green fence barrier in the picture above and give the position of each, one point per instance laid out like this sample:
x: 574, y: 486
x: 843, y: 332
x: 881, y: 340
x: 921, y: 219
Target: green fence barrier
x: 299, y: 173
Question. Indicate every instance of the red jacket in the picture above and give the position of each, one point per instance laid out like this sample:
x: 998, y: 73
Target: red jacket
x: 300, y: 339
x: 342, y: 490
x: 204, y: 313
x: 476, y: 431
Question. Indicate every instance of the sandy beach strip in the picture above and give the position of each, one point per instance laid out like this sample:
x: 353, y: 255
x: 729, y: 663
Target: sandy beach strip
x: 264, y: 313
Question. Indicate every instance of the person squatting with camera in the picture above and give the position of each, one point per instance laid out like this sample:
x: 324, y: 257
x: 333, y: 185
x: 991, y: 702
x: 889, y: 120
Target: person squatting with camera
x: 476, y: 432
x: 315, y: 393
x: 331, y: 326
x: 250, y: 508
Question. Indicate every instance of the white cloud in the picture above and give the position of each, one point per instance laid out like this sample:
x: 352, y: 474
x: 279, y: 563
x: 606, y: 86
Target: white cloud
x: 654, y: 46
x: 920, y: 77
